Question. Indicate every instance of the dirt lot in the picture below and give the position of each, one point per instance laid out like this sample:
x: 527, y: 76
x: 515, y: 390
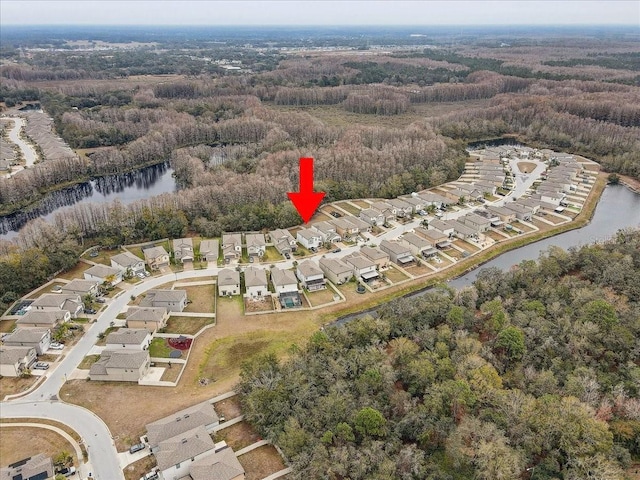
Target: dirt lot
x: 202, y: 298
x: 7, y: 325
x: 13, y: 385
x: 139, y: 468
x: 170, y: 372
x: 229, y: 407
x: 526, y: 167
x: 22, y: 442
x: 394, y: 275
x: 320, y: 297
x: 261, y: 462
x: 264, y: 304
x: 238, y: 436
x: 187, y: 325
x: 496, y: 236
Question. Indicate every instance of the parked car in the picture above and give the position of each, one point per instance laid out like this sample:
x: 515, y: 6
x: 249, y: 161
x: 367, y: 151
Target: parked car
x: 137, y: 447
x: 89, y: 311
x: 314, y: 249
x: 146, y: 274
x: 251, y: 259
x: 287, y: 256
x: 100, y: 300
x: 73, y: 326
x: 140, y: 275
x: 41, y: 366
x: 335, y: 214
x: 56, y: 346
x: 336, y: 250
x: 67, y: 471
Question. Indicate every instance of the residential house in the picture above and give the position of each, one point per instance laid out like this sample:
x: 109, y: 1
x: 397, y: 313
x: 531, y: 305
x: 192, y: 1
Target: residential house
x: 403, y: 209
x: 398, y: 253
x: 362, y: 267
x: 283, y: 241
x: 256, y: 244
x: 46, y: 319
x: 228, y: 282
x: 202, y: 414
x: 327, y: 232
x: 176, y: 454
x: 150, y: 318
x: 551, y: 196
x: 54, y: 302
x: 377, y: 256
x: 309, y: 238
x: 456, y: 194
x: 438, y: 201
x: 231, y: 246
x: 486, y: 187
x: 129, y: 339
x: 81, y: 287
x: 38, y: 467
x: 345, y: 228
x: 360, y: 224
x: 222, y: 465
x: 183, y: 250
x: 311, y: 276
x: 15, y: 360
x: 336, y: 270
x: 120, y: 366
x: 415, y: 201
x: 209, y: 250
x: 255, y: 282
x: 372, y: 216
x: 172, y: 300
x: 38, y: 338
x: 103, y: 274
x: 285, y: 285
x: 127, y: 263
x: 471, y: 191
x: 475, y: 221
x: 388, y: 211
x: 522, y: 212
x: 434, y: 237
x: 418, y: 245
x: 504, y: 214
x: 156, y: 257
x: 534, y: 205
x: 441, y: 226
x: 463, y: 231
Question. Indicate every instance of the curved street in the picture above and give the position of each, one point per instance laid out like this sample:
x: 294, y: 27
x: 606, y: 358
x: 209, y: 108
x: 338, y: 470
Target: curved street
x: 28, y: 152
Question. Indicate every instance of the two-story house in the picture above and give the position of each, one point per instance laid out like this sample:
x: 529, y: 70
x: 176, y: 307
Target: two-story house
x: 209, y: 250
x: 285, y: 284
x: 127, y: 263
x: 15, y: 360
x: 283, y: 241
x: 309, y: 238
x: 361, y: 266
x: 58, y: 302
x: 255, y: 282
x: 38, y: 338
x: 398, y: 253
x: 311, y: 276
x: 327, y: 232
x: 183, y: 250
x: 256, y: 244
x: 377, y: 256
x: 103, y: 274
x: 228, y: 282
x: 336, y: 270
x: 372, y: 216
x: 156, y: 257
x: 81, y: 287
x: 231, y: 247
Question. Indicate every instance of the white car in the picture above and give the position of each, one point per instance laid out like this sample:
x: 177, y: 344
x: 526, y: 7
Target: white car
x: 56, y: 346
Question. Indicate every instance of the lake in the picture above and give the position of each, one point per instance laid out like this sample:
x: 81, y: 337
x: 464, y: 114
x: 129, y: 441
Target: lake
x: 126, y: 187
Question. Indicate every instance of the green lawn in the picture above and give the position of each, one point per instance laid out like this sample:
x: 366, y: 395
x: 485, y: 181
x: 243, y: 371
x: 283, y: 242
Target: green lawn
x: 271, y: 255
x: 87, y: 361
x: 355, y: 211
x: 159, y: 348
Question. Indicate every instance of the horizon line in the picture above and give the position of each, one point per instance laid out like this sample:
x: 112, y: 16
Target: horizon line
x: 633, y: 24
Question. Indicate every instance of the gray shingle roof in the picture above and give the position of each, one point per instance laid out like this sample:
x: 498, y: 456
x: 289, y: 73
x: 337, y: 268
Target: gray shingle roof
x: 55, y: 299
x: 373, y: 253
x: 26, y: 335
x: 201, y: 414
x: 119, y: 359
x: 41, y: 318
x: 79, y: 285
x: 126, y: 259
x: 183, y: 446
x: 148, y: 314
x: 101, y: 271
x: 283, y: 277
x: 255, y: 277
x: 228, y: 277
x: 154, y: 252
x: 127, y: 336
x: 309, y: 268
x: 163, y: 296
x: 222, y: 465
x: 12, y: 355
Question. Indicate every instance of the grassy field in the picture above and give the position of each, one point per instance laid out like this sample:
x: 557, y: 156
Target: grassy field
x: 7, y: 325
x: 159, y: 348
x: 271, y: 255
x: 349, y: 208
x: 202, y: 298
x: 75, y: 272
x: 320, y: 297
x: 394, y: 275
x: 87, y: 361
x: 22, y: 442
x: 187, y: 325
x: 13, y: 385
x: 47, y: 289
x: 261, y: 462
x: 137, y: 469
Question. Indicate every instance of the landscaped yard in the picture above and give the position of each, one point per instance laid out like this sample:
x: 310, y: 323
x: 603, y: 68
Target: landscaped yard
x: 187, y: 325
x: 394, y: 275
x: 137, y: 469
x: 87, y: 361
x: 159, y: 348
x: 22, y: 442
x: 321, y: 297
x: 201, y: 297
x: 238, y: 436
x: 261, y: 462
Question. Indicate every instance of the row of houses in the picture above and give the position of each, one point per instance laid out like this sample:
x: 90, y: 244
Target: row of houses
x: 384, y: 211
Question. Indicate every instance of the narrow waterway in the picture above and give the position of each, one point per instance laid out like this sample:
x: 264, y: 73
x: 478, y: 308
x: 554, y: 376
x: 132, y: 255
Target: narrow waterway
x: 618, y: 208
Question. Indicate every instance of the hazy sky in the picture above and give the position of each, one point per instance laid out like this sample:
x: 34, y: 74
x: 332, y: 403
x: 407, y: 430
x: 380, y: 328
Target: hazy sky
x: 326, y: 12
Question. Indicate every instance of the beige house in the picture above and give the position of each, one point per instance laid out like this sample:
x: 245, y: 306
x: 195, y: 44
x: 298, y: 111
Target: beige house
x: 172, y: 300
x: 120, y: 366
x: 222, y: 465
x: 129, y: 339
x: 103, y: 274
x: 327, y: 232
x: 255, y: 282
x: 37, y: 467
x: 57, y: 302
x: 398, y: 254
x: 377, y: 256
x: 127, y: 262
x: 150, y: 318
x: 156, y: 257
x: 38, y: 338
x: 183, y: 250
x: 311, y: 276
x: 283, y: 241
x: 228, y: 282
x: 231, y: 246
x: 362, y: 266
x: 256, y: 244
x: 81, y: 287
x: 201, y: 414
x: 336, y: 270
x: 417, y: 244
x: 209, y: 250
x: 38, y: 318
x: 15, y: 360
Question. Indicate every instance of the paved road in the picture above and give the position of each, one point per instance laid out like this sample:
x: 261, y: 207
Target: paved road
x: 28, y: 152
x: 44, y: 403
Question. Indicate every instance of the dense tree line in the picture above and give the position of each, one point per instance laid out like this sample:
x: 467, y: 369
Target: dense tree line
x: 532, y: 371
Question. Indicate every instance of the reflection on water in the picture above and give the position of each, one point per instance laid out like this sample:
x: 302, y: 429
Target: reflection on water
x: 126, y: 187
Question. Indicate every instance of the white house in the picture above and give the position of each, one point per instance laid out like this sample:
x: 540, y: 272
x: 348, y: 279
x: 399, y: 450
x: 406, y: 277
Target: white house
x: 201, y: 414
x: 309, y: 238
x: 256, y: 244
x: 55, y: 302
x: 129, y: 339
x: 103, y: 274
x: 327, y: 232
x: 228, y: 282
x: 15, y: 360
x: 283, y: 281
x: 127, y: 262
x: 362, y: 266
x: 372, y: 216
x: 38, y: 338
x: 310, y: 275
x: 255, y: 282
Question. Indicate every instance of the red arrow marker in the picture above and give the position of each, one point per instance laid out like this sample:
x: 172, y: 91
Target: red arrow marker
x: 306, y: 201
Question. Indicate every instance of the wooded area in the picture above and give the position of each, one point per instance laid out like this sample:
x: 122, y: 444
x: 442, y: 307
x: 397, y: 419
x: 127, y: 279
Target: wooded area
x: 529, y: 371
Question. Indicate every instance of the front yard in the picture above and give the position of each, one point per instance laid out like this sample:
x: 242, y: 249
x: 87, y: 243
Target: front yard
x: 87, y: 361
